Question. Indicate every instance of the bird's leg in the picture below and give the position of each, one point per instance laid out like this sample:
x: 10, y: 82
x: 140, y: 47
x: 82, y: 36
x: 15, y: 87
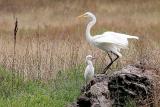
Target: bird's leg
x: 89, y: 84
x: 116, y: 57
x: 105, y: 69
x: 109, y: 56
x: 86, y: 87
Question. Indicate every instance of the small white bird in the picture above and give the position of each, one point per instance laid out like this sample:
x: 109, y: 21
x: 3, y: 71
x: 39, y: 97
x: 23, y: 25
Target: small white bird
x: 89, y: 71
x: 110, y: 42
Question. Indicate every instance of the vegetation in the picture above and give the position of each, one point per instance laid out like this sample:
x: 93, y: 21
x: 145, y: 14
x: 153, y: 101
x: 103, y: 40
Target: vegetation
x: 35, y: 93
x: 130, y: 103
x: 50, y: 39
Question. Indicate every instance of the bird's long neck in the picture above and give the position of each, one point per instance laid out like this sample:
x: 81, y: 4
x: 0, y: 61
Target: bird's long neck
x: 89, y: 63
x: 89, y: 26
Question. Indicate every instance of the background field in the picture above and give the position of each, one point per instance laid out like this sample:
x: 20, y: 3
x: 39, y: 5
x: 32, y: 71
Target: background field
x: 51, y: 43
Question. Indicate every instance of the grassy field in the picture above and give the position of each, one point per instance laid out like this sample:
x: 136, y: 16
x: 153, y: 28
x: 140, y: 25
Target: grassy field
x: 51, y: 45
x: 15, y: 92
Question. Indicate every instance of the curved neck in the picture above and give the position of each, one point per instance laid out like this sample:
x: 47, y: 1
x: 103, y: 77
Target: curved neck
x: 89, y: 26
x: 89, y: 62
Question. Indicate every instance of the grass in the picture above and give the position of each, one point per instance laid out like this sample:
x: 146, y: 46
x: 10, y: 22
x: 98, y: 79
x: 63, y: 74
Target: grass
x: 35, y: 93
x: 50, y: 39
x: 53, y: 39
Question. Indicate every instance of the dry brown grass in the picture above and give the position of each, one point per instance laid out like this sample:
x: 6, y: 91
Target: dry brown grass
x: 50, y: 38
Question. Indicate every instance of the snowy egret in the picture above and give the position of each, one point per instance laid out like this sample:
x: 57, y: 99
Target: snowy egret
x: 89, y: 71
x: 110, y: 42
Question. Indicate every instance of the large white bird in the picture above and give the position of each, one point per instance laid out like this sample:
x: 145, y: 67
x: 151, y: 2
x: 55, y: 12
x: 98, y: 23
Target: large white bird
x: 110, y: 42
x: 89, y: 71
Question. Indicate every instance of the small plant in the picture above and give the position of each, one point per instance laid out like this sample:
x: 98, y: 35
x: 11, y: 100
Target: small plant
x: 130, y: 103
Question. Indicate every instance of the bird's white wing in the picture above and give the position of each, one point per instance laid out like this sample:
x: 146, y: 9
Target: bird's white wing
x: 113, y: 38
x: 89, y: 73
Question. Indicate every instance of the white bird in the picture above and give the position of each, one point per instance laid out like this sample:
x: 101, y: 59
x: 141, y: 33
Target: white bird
x: 89, y: 71
x: 110, y: 42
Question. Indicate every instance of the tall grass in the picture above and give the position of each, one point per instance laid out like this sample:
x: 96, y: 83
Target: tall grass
x: 50, y: 38
x: 53, y: 39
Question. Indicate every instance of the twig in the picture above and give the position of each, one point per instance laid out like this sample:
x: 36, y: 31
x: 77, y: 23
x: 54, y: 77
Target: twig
x: 14, y: 50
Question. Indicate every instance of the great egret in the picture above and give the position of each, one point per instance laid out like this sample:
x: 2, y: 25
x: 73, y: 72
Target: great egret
x: 89, y: 71
x: 110, y: 42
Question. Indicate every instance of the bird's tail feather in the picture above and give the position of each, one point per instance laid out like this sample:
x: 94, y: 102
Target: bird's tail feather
x: 133, y: 37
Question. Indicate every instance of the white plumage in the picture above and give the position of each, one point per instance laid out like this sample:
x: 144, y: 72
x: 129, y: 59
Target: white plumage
x: 89, y: 71
x: 110, y: 42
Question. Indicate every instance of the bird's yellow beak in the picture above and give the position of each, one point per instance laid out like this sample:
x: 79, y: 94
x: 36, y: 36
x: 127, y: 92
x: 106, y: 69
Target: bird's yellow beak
x: 83, y: 15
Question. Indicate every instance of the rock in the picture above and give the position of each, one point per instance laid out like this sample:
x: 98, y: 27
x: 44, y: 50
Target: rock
x: 115, y: 89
